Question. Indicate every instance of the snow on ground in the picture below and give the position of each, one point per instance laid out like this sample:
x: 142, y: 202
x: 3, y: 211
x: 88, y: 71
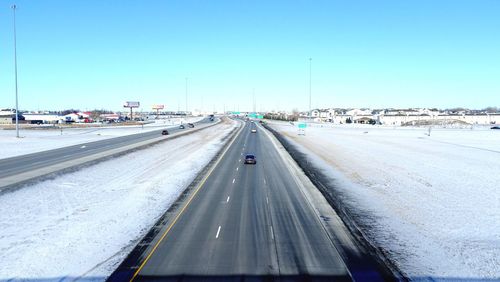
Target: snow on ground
x: 433, y: 202
x: 84, y: 223
x: 36, y: 140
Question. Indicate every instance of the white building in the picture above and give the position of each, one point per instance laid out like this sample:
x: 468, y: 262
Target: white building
x: 42, y: 118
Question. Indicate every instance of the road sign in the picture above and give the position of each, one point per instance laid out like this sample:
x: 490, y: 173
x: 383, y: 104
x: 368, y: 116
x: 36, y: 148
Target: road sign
x: 260, y: 116
x: 302, y: 125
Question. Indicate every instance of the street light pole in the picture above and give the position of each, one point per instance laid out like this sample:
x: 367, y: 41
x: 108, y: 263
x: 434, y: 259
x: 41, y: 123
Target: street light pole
x: 15, y: 70
x: 310, y: 86
x: 186, y: 96
x: 253, y: 95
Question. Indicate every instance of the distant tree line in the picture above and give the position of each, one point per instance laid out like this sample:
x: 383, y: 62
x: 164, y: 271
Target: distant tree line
x: 490, y: 110
x: 281, y: 116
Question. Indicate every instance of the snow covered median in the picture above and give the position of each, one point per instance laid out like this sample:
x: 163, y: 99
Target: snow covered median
x: 84, y: 223
x: 431, y: 202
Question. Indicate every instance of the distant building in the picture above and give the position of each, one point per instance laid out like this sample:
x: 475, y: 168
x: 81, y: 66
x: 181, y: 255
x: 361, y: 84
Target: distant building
x: 42, y: 118
x: 8, y: 116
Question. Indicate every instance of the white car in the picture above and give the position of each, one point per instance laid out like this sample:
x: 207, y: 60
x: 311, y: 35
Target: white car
x: 253, y: 130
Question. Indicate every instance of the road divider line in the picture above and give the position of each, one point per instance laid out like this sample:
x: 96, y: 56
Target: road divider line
x: 267, y: 200
x: 272, y: 233
x: 234, y: 179
x: 227, y: 201
x: 218, y: 231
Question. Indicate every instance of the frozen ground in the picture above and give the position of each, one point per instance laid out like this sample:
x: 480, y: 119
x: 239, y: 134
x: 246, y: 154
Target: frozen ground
x: 36, y: 140
x: 84, y: 223
x: 433, y: 202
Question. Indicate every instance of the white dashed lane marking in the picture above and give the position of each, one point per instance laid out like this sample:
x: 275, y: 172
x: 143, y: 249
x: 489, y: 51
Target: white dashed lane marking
x: 218, y: 231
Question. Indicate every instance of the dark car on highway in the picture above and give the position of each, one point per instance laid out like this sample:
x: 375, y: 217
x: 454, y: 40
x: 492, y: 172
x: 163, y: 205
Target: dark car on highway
x: 250, y: 159
x: 181, y: 126
x: 164, y: 132
x: 495, y: 127
x: 190, y: 125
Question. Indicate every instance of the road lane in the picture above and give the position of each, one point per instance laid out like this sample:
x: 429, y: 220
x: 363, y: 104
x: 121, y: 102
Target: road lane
x: 266, y: 228
x: 19, y: 164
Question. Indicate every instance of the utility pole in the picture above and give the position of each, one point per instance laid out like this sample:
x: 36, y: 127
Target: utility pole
x: 186, y: 96
x: 253, y: 94
x: 15, y: 70
x: 310, y: 86
x: 201, y: 106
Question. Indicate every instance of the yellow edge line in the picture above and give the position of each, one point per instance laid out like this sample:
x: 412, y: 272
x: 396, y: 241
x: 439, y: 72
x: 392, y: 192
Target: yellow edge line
x: 185, y: 206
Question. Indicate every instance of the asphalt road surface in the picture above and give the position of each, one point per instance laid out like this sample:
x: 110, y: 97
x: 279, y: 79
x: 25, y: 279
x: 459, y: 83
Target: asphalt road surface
x: 15, y: 165
x: 246, y: 222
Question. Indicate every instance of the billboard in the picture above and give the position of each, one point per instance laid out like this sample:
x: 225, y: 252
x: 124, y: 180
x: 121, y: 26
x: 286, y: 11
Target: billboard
x: 129, y: 104
x: 158, y: 107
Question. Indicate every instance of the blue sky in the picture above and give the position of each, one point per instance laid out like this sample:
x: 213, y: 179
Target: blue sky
x: 98, y: 54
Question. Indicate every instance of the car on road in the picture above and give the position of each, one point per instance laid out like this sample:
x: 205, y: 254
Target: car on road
x: 254, y: 130
x: 190, y: 125
x: 181, y: 126
x: 250, y: 159
x: 164, y: 132
x: 495, y: 127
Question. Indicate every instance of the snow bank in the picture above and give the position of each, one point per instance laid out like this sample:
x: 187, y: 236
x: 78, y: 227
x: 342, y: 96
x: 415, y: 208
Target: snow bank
x: 433, y: 202
x: 85, y: 223
x: 36, y: 140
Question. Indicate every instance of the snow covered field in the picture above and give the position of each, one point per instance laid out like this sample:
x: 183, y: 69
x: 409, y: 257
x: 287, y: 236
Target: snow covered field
x: 433, y: 202
x: 36, y: 140
x: 84, y: 223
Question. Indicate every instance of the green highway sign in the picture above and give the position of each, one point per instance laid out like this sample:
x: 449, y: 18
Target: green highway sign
x: 260, y: 116
x: 302, y: 125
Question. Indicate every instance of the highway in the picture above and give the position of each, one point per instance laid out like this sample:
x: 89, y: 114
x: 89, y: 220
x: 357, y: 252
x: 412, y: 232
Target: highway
x: 244, y: 221
x: 25, y: 163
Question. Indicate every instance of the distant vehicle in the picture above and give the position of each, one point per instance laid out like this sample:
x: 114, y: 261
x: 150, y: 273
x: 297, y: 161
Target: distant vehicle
x: 211, y: 118
x: 181, y: 126
x: 495, y: 127
x: 164, y: 132
x: 254, y: 130
x: 190, y: 125
x: 250, y: 159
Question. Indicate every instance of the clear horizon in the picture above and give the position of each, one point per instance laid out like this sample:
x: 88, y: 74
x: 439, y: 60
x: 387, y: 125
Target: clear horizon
x: 390, y: 54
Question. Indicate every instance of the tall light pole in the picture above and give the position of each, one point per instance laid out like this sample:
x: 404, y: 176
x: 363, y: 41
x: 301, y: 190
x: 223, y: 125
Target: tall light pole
x: 310, y: 86
x: 15, y: 70
x: 201, y: 106
x: 186, y: 96
x: 253, y: 94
